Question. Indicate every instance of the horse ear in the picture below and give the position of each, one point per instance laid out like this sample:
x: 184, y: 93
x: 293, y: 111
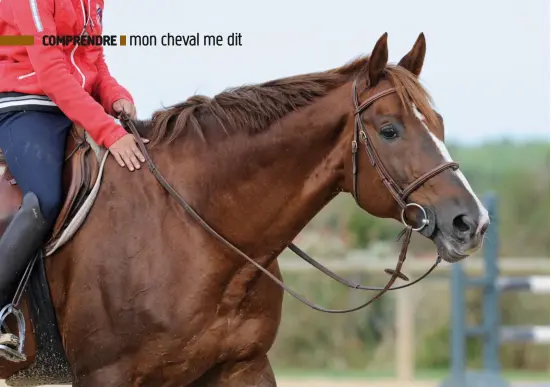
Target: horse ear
x: 413, y: 60
x: 378, y: 60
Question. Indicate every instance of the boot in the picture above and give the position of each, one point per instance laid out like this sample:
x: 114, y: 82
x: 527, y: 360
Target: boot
x: 22, y: 240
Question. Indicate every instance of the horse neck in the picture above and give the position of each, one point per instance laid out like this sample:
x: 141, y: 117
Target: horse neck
x: 259, y: 191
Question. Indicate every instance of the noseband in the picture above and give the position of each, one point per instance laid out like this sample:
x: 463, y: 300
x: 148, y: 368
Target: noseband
x: 399, y: 194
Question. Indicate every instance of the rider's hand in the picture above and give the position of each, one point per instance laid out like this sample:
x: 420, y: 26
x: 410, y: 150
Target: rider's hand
x: 125, y: 105
x: 127, y: 153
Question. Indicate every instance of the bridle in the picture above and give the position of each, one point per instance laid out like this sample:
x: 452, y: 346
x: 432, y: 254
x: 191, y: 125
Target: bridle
x: 400, y: 195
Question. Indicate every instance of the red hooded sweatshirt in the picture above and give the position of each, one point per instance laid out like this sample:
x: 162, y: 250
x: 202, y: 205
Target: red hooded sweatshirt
x: 70, y: 78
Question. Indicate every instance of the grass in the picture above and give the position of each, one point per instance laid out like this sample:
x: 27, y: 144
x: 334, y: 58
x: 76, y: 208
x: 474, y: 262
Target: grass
x: 420, y: 374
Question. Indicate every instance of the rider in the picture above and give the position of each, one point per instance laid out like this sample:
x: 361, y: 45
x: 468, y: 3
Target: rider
x: 44, y: 90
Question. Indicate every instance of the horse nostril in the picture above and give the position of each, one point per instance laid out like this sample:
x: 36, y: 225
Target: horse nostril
x: 484, y: 228
x: 463, y: 224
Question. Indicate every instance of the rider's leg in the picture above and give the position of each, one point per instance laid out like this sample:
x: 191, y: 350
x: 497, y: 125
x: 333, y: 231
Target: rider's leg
x: 33, y: 144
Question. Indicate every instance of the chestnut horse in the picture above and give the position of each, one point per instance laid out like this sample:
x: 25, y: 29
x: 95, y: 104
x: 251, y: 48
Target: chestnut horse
x: 146, y: 296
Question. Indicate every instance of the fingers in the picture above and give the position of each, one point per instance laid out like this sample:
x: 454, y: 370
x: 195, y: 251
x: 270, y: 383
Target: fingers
x: 130, y: 109
x: 130, y: 158
x: 123, y: 160
x: 137, y: 153
x: 144, y: 140
x: 133, y: 162
x: 127, y: 153
x: 128, y: 162
x: 119, y: 159
x: 124, y: 105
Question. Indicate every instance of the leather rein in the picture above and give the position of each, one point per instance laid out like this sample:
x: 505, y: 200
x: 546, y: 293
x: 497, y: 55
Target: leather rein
x: 400, y: 195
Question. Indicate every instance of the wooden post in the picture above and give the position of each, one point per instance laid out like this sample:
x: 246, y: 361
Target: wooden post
x: 405, y: 341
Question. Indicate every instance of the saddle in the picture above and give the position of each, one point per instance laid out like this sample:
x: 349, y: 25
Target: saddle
x: 80, y: 171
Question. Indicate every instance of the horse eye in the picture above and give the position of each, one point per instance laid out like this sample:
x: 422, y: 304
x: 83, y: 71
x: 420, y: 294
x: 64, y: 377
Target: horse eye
x: 389, y: 132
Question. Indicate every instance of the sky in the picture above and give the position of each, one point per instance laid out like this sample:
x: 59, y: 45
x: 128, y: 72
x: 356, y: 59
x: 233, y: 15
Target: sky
x: 487, y: 64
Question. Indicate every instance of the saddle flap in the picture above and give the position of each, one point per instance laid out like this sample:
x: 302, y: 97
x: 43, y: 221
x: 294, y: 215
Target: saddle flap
x: 76, y: 176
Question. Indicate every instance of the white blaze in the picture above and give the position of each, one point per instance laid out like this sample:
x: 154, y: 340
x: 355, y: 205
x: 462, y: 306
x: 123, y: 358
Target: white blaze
x: 483, y: 213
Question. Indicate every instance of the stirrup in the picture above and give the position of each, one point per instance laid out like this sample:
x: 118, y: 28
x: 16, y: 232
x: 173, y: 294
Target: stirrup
x: 11, y: 346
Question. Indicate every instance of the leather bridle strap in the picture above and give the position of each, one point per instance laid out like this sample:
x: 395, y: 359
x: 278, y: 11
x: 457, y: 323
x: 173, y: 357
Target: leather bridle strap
x: 414, y: 185
x: 358, y: 110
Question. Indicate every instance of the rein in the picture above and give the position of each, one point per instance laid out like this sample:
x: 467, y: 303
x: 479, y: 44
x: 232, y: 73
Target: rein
x: 399, y: 195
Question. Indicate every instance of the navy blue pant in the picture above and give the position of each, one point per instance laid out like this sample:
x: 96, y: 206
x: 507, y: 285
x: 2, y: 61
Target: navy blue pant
x: 33, y: 143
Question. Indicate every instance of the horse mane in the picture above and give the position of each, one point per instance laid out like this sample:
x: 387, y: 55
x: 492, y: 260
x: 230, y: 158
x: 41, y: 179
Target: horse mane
x: 253, y: 108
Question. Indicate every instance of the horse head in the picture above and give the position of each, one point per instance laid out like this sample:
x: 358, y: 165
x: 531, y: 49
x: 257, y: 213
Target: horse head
x: 406, y: 171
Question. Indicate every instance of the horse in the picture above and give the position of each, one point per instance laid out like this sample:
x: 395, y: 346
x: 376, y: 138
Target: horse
x: 153, y: 289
